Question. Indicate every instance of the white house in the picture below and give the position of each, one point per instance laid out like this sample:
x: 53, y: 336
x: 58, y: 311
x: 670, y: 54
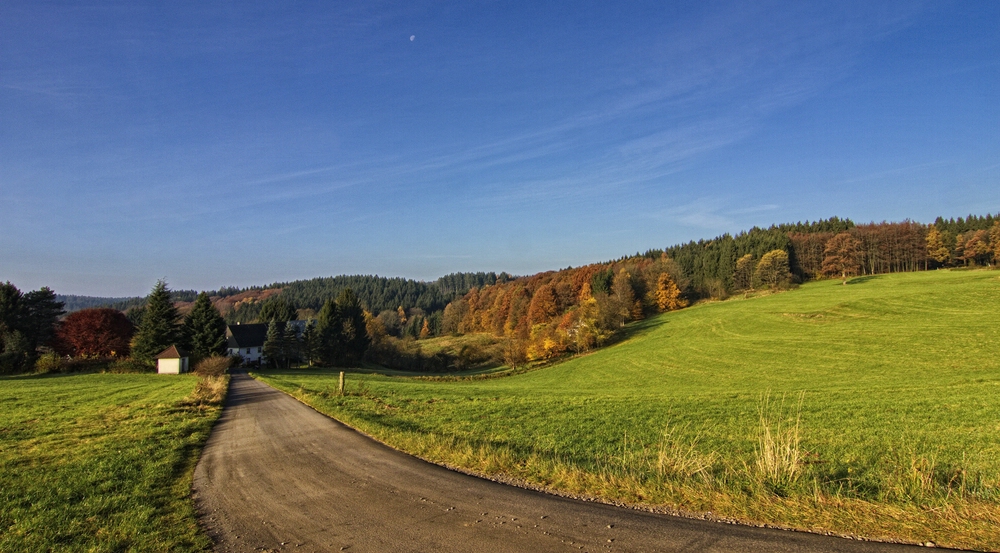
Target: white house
x: 172, y: 361
x: 247, y: 341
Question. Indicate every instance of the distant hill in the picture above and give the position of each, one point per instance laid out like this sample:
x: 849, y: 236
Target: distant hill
x: 375, y: 292
x: 73, y: 303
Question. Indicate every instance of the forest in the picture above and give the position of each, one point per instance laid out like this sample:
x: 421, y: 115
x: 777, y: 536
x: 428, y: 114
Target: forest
x: 549, y: 314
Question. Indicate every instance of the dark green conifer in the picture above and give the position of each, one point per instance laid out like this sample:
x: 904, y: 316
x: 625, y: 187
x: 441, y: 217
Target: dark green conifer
x: 204, y: 329
x: 159, y: 329
x: 272, y: 344
x: 329, y: 332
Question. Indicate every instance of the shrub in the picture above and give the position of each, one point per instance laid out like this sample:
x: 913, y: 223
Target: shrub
x: 210, y: 390
x: 216, y: 365
x: 51, y: 363
x: 130, y: 365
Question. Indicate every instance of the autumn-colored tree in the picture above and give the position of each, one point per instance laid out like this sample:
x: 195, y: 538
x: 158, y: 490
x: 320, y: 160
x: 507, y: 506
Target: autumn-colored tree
x: 543, y: 305
x: 582, y: 326
x: 977, y: 248
x: 743, y: 275
x: 668, y: 295
x: 515, y: 352
x: 98, y: 332
x: 958, y: 248
x: 425, y: 331
x: 936, y: 247
x: 842, y: 256
x: 547, y: 341
x: 622, y: 296
x: 453, y: 319
x: 995, y: 242
x: 773, y: 269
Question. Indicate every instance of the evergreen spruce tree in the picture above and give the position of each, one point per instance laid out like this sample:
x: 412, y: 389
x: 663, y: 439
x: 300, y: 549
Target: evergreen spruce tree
x: 159, y: 329
x: 290, y: 345
x: 272, y: 344
x: 329, y: 334
x: 355, y: 334
x: 205, y: 329
x: 308, y: 344
x: 276, y: 309
x: 42, y: 312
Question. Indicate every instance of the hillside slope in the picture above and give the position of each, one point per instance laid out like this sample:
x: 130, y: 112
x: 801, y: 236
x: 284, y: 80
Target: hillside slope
x: 897, y: 376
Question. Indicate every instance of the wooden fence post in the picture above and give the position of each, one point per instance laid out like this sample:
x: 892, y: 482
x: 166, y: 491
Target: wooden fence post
x: 341, y: 382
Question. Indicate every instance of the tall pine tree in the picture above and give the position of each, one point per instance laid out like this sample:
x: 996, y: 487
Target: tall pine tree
x: 330, y: 334
x: 355, y: 334
x: 204, y: 329
x: 159, y: 329
x: 42, y: 312
x: 273, y: 351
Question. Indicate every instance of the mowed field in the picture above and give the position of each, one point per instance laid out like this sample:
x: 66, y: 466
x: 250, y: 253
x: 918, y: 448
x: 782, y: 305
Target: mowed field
x: 100, y: 462
x: 871, y: 409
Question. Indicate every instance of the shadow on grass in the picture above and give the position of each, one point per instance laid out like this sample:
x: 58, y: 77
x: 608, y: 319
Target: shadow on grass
x: 863, y: 279
x: 636, y: 329
x: 630, y: 331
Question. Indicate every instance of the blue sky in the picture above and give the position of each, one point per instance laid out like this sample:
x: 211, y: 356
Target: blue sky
x: 244, y: 143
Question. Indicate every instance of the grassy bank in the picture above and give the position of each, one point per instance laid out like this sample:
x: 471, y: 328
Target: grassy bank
x: 870, y: 409
x: 101, y: 462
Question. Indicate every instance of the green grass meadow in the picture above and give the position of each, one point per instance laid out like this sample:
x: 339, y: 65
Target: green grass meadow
x: 100, y: 462
x: 870, y: 409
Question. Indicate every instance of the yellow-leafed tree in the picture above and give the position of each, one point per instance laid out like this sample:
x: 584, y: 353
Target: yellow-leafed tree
x: 936, y: 248
x: 668, y: 295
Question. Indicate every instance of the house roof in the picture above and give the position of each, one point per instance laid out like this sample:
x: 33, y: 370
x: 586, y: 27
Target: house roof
x: 171, y: 353
x: 246, y: 336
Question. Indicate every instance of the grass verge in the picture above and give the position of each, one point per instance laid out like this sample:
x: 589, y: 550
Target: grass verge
x: 103, y: 462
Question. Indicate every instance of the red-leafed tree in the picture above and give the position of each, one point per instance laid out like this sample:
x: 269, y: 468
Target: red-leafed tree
x: 842, y: 256
x: 99, y: 332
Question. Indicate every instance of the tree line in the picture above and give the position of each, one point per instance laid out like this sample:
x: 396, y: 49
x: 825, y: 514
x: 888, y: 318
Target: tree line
x: 536, y: 317
x: 548, y: 314
x: 27, y: 322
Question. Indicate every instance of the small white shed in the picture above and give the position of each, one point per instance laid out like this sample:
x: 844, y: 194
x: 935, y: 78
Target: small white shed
x: 172, y: 361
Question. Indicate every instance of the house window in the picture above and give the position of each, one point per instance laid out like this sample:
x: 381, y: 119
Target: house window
x: 248, y: 351
x: 259, y: 350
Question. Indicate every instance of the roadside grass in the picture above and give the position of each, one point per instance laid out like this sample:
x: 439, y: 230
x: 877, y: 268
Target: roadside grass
x: 102, y: 462
x: 871, y: 409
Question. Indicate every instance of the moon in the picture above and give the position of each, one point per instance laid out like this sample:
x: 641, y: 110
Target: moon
x: 413, y: 37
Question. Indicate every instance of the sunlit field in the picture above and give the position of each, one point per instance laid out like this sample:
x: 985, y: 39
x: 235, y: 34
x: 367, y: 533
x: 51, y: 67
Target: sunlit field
x: 100, y: 462
x: 870, y: 409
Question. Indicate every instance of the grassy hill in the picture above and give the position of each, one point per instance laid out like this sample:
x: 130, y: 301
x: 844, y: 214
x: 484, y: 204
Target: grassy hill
x: 869, y: 409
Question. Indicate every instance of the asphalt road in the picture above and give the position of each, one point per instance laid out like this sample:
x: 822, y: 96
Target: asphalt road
x: 276, y: 475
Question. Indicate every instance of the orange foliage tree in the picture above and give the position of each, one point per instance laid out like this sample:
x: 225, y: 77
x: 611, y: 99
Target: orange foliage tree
x: 842, y: 256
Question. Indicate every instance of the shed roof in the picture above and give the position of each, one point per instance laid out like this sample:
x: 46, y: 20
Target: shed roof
x: 171, y: 353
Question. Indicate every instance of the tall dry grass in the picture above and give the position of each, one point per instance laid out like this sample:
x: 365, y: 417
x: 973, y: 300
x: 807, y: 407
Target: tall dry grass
x: 681, y: 459
x: 213, y: 381
x: 779, y: 454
